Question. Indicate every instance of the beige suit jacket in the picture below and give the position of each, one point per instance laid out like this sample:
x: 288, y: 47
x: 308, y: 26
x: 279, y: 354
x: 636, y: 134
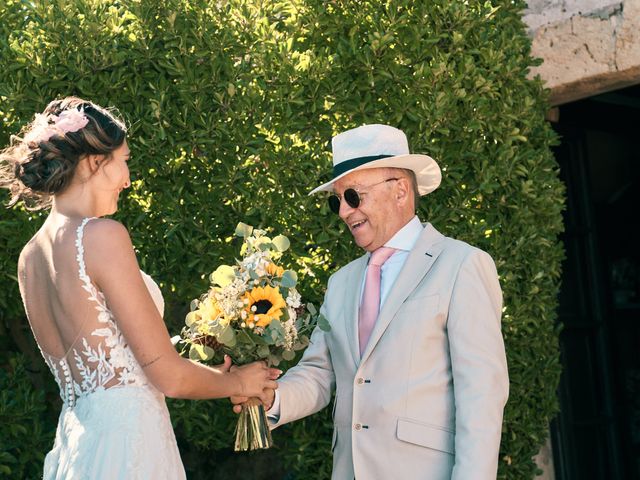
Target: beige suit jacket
x: 425, y: 401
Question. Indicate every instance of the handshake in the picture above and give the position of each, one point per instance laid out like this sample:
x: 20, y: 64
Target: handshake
x: 263, y: 390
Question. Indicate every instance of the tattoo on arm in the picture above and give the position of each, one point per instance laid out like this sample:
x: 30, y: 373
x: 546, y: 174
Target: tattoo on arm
x: 150, y: 362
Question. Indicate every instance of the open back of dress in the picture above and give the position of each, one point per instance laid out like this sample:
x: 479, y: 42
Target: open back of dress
x: 73, y: 326
x: 114, y: 423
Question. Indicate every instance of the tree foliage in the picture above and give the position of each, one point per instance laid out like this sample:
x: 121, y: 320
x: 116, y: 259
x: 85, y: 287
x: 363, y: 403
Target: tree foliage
x: 231, y: 106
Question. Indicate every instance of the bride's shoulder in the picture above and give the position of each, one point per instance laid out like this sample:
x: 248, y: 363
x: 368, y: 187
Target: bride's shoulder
x: 105, y: 234
x: 31, y: 248
x: 107, y: 250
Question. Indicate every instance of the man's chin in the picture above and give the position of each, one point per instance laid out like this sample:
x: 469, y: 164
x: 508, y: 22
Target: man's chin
x: 362, y: 243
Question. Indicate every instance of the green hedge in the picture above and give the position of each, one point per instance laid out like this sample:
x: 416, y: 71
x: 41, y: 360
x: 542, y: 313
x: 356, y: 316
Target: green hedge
x: 232, y: 105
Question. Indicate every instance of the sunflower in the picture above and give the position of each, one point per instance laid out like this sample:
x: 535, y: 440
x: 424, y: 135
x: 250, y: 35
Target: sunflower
x: 274, y: 270
x: 268, y: 305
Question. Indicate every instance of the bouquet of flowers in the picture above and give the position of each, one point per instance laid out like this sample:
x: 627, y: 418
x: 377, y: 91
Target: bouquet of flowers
x: 251, y: 312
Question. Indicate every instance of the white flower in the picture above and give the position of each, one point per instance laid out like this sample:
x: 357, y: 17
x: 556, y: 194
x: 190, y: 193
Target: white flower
x: 290, y: 334
x: 294, y: 298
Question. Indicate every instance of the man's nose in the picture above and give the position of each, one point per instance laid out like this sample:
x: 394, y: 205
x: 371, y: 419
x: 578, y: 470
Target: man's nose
x: 345, y: 209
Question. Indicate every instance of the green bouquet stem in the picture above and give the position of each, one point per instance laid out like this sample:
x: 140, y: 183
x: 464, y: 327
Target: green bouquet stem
x: 252, y: 429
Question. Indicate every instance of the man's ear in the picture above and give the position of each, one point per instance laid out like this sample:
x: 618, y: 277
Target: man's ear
x: 403, y: 191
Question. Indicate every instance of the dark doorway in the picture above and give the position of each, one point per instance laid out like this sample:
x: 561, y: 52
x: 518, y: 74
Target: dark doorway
x: 597, y: 432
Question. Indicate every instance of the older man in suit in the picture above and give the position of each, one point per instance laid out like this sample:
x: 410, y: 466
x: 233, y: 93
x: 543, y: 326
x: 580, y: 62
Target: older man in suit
x: 415, y: 350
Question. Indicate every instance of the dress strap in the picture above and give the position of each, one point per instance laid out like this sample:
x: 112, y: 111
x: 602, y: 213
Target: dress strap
x: 82, y: 269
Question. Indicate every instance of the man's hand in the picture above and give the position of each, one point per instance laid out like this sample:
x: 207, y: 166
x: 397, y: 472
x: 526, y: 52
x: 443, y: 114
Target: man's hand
x: 267, y: 398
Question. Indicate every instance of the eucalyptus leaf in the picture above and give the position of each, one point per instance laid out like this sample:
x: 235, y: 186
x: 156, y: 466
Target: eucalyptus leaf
x: 227, y: 336
x: 223, y: 276
x: 274, y: 360
x: 200, y: 352
x: 243, y: 337
x: 323, y: 323
x: 253, y: 275
x: 281, y: 243
x: 263, y: 351
x: 192, y: 317
x: 289, y: 279
x: 288, y: 355
x: 243, y: 230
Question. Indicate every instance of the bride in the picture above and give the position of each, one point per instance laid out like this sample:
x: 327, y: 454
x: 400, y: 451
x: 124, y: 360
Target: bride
x: 96, y: 317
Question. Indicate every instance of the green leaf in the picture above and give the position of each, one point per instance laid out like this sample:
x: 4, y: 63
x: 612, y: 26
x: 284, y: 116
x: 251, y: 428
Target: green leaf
x: 274, y: 360
x: 200, y: 352
x: 263, y: 351
x: 243, y: 230
x: 323, y: 323
x: 190, y: 319
x: 288, y: 355
x: 227, y: 337
x: 289, y: 279
x: 223, y: 276
x: 243, y: 337
x: 275, y: 331
x: 281, y: 243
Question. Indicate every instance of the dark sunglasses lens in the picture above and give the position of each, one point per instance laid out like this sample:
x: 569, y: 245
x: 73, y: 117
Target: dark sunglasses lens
x: 334, y: 203
x: 352, y: 197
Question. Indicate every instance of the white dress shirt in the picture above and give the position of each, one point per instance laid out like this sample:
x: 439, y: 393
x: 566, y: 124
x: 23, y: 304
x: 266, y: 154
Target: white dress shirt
x: 403, y: 241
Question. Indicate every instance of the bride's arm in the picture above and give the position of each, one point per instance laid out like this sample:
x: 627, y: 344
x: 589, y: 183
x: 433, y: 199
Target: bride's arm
x: 112, y: 265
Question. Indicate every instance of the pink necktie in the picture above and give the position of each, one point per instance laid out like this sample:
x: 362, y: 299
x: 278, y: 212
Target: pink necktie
x: 370, y: 306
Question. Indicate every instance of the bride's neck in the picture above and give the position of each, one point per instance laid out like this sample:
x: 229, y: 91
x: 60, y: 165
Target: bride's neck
x: 75, y: 202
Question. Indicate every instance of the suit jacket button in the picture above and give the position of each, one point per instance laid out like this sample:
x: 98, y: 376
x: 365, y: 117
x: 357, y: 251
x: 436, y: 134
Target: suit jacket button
x: 357, y: 426
x: 360, y: 381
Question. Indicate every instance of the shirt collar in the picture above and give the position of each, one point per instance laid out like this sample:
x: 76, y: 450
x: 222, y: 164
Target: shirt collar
x: 407, y: 236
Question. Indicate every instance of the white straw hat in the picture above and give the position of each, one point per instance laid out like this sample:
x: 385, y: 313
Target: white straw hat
x: 379, y: 146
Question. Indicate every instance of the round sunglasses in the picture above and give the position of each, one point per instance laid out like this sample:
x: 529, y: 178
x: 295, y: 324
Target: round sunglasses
x: 351, y: 196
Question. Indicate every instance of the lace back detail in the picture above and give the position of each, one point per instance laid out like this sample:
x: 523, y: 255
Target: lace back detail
x: 105, y: 360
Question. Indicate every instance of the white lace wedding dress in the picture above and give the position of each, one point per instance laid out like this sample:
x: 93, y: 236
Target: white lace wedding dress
x: 114, y: 424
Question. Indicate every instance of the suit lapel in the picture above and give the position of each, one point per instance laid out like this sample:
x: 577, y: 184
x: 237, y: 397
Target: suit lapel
x: 416, y: 266
x: 352, y: 305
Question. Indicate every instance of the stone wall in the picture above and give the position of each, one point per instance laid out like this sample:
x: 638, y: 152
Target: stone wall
x: 588, y: 46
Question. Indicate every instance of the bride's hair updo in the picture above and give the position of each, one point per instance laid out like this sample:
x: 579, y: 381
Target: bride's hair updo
x: 42, y: 160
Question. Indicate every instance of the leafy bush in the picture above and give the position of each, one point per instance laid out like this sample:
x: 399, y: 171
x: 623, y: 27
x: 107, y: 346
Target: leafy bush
x: 232, y: 105
x: 27, y: 431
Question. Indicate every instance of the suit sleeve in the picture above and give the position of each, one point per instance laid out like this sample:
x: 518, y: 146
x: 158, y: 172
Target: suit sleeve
x: 307, y: 387
x: 479, y: 367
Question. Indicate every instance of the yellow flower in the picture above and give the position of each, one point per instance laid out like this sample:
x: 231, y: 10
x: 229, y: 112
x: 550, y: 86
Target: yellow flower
x: 209, y: 310
x: 268, y: 305
x: 274, y: 270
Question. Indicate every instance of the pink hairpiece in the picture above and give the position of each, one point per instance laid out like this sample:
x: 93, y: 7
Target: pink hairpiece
x: 66, y: 122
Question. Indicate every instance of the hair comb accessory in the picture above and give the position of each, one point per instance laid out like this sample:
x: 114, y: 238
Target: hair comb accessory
x: 46, y: 126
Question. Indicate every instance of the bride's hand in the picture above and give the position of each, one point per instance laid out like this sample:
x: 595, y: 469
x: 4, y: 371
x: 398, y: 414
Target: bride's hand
x: 255, y: 378
x: 224, y: 367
